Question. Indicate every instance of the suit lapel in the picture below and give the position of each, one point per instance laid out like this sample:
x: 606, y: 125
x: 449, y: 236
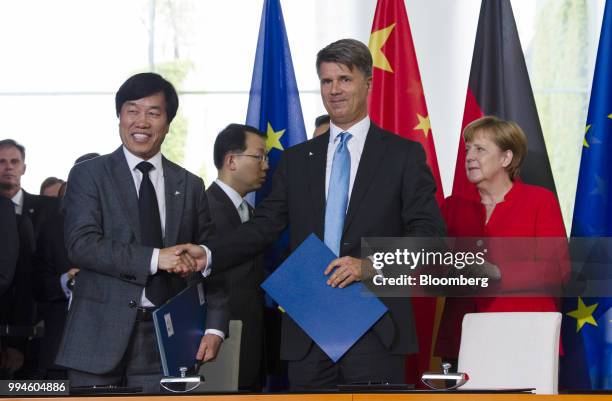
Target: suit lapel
x: 373, y: 151
x: 175, y: 187
x: 29, y: 206
x: 226, y: 203
x: 124, y: 183
x: 317, y: 159
x: 25, y: 222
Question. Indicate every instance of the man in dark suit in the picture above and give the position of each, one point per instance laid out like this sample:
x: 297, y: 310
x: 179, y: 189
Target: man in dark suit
x: 241, y: 161
x: 17, y: 306
x: 125, y: 213
x: 9, y: 251
x: 9, y: 243
x: 354, y: 181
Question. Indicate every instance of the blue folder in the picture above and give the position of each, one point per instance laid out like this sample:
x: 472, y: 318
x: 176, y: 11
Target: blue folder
x: 335, y: 318
x: 180, y: 325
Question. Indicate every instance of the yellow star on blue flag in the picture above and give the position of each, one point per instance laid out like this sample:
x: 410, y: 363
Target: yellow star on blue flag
x: 273, y: 139
x: 583, y: 314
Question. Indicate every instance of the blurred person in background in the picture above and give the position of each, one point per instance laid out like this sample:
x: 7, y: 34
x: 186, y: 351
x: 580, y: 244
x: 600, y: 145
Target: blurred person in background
x: 321, y: 125
x: 18, y: 315
x: 51, y: 186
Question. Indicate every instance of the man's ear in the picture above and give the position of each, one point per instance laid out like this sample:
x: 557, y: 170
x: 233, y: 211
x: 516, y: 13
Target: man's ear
x: 229, y: 162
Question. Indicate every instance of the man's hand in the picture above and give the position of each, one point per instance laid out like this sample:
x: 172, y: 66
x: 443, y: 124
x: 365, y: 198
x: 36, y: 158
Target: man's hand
x: 489, y: 270
x: 347, y: 270
x: 72, y: 272
x: 11, y: 359
x: 171, y: 260
x: 195, y: 254
x: 209, y: 347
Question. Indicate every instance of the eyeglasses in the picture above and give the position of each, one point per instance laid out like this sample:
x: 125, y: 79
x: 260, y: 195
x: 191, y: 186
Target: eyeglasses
x: 261, y: 158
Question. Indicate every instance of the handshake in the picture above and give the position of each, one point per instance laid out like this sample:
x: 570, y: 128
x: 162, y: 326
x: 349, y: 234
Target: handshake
x: 182, y: 259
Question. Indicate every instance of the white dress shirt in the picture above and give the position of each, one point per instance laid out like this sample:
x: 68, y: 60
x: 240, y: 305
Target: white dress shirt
x: 237, y: 200
x: 156, y: 175
x: 355, y: 145
x: 231, y: 193
x: 18, y: 202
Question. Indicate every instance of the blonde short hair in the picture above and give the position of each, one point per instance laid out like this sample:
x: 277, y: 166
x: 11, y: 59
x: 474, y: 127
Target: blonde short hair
x: 507, y: 135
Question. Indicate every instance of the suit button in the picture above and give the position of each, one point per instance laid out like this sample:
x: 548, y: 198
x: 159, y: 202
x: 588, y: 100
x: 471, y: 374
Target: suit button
x: 133, y: 304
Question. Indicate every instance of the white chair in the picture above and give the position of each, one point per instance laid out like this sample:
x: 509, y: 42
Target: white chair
x: 511, y: 350
x: 222, y: 374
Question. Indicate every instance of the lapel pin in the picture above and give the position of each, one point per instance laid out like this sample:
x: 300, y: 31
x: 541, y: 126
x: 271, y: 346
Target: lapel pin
x: 177, y: 193
x: 31, y: 210
x: 310, y: 154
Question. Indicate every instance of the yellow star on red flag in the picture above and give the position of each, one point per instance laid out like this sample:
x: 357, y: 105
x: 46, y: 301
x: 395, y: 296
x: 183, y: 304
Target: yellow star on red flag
x: 377, y: 41
x: 423, y: 124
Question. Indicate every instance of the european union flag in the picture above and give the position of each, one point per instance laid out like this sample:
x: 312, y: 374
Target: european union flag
x: 274, y: 103
x: 274, y: 108
x: 587, y: 322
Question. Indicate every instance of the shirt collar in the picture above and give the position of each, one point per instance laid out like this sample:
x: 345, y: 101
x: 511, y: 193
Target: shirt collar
x: 230, y: 192
x: 133, y: 160
x: 18, y: 198
x: 359, y: 131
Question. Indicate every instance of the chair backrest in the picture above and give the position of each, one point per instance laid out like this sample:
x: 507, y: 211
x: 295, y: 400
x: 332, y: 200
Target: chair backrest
x: 511, y: 350
x: 222, y: 373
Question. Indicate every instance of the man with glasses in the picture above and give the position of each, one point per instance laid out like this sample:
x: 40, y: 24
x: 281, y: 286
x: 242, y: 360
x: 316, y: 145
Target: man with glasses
x: 242, y: 164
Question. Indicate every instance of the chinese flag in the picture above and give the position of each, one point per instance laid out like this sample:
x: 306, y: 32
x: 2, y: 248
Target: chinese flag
x: 397, y: 104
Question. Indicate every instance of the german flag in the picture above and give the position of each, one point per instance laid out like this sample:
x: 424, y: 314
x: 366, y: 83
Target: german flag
x: 499, y: 85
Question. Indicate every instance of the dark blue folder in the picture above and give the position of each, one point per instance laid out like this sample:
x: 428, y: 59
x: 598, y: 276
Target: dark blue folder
x: 180, y: 325
x: 335, y: 318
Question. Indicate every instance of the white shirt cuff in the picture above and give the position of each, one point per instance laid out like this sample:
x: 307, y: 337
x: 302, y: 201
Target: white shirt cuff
x: 207, y: 268
x: 215, y: 332
x: 154, y: 261
x: 64, y: 284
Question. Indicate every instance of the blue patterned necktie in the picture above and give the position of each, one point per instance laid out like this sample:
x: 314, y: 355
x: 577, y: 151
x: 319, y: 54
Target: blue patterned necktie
x: 337, y: 194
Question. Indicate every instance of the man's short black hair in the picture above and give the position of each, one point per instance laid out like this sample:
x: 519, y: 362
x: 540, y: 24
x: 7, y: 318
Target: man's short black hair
x: 11, y: 143
x: 232, y: 139
x: 322, y: 119
x: 147, y: 84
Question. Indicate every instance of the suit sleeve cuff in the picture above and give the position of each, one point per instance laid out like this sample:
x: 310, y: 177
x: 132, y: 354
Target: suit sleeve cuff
x: 379, y: 271
x: 207, y: 268
x: 154, y: 261
x: 215, y: 332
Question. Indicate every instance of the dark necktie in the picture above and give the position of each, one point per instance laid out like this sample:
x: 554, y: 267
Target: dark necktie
x: 27, y: 239
x: 158, y: 287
